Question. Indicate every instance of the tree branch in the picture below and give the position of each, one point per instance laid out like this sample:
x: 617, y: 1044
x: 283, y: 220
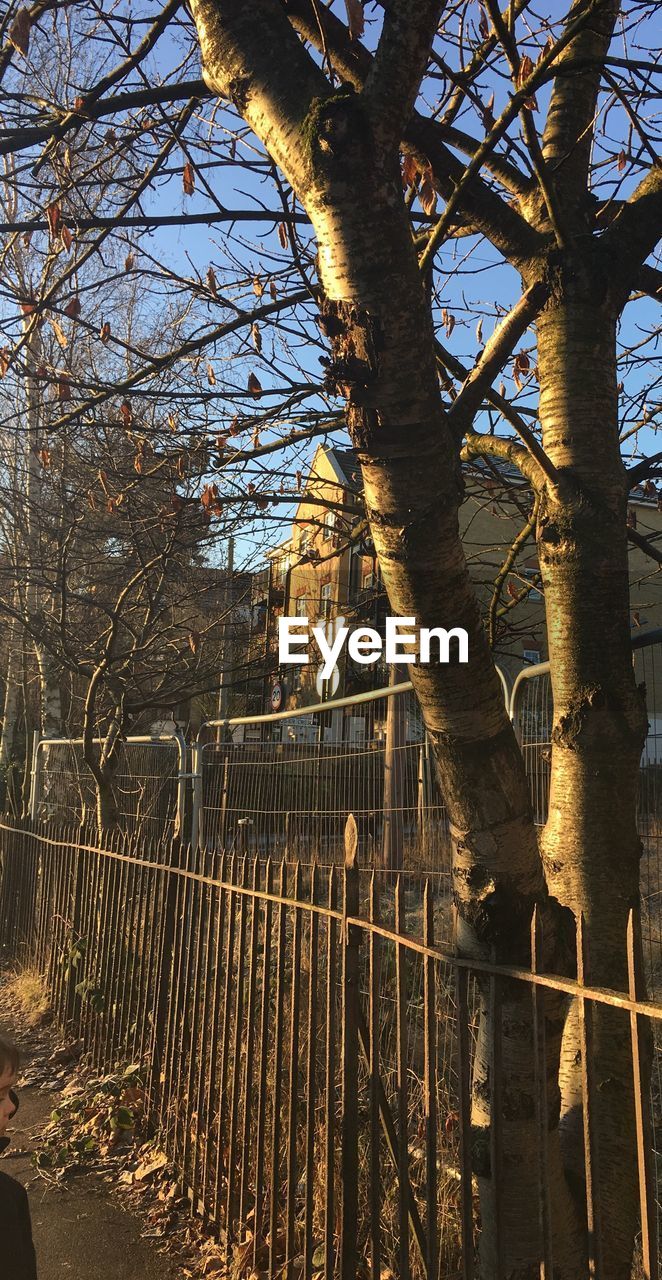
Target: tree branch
x: 496, y: 352
x: 568, y: 133
x: 107, y: 81
x: 638, y: 540
x: 635, y: 231
x: 510, y: 233
x: 512, y: 109
x: 243, y: 320
x: 642, y: 469
x: 520, y: 541
x: 533, y: 446
x: 252, y: 56
x: 649, y: 280
x: 17, y: 139
x: 479, y: 445
x: 393, y: 80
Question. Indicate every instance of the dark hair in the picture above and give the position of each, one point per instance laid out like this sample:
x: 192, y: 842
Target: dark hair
x: 8, y: 1055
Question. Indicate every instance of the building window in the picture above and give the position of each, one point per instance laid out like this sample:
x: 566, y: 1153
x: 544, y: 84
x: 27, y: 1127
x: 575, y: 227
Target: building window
x: 301, y: 607
x: 329, y: 526
x: 304, y: 544
x: 531, y: 656
x: 369, y: 581
x: 325, y: 601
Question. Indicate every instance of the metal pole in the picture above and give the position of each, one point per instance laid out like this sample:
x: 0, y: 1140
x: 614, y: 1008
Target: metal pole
x: 34, y: 798
x: 196, y: 778
x: 226, y: 647
x: 180, y: 817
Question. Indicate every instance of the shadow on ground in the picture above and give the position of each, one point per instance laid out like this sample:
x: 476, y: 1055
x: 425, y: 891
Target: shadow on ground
x: 80, y: 1233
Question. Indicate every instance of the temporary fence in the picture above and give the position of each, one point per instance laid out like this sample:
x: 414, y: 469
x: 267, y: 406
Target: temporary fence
x: 282, y: 784
x: 288, y: 793
x: 532, y: 712
x: 149, y: 780
x: 310, y: 1043
x: 279, y: 784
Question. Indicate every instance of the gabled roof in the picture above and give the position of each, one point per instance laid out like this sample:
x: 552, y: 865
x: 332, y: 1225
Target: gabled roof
x: 346, y: 465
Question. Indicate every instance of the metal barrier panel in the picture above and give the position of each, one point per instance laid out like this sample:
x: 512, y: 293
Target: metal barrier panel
x: 289, y: 793
x: 146, y: 784
x: 532, y: 713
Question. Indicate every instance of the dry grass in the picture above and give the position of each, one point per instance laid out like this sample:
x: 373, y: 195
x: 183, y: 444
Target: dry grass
x: 28, y: 989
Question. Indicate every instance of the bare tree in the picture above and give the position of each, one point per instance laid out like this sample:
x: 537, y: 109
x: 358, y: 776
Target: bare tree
x: 364, y: 121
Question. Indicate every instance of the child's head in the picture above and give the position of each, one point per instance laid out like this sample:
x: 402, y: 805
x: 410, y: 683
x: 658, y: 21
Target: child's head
x: 8, y: 1073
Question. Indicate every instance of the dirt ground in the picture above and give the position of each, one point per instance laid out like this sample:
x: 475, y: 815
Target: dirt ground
x: 80, y: 1229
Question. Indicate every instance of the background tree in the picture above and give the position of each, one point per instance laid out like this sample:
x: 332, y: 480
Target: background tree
x: 536, y: 135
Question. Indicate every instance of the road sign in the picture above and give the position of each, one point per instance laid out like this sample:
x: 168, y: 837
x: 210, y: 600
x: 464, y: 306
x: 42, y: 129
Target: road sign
x: 327, y: 687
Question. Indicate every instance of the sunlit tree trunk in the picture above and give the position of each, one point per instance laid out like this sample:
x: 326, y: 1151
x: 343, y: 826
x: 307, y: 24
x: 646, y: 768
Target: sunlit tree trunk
x: 10, y: 718
x: 590, y: 846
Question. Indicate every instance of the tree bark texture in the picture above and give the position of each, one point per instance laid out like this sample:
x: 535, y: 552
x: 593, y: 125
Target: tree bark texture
x: 590, y: 845
x: 340, y: 155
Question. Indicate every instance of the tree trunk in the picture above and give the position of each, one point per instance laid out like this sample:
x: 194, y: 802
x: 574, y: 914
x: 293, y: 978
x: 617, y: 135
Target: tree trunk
x: 50, y: 704
x: 332, y: 149
x: 590, y: 846
x: 8, y: 762
x: 108, y: 818
x: 50, y: 699
x: 412, y: 487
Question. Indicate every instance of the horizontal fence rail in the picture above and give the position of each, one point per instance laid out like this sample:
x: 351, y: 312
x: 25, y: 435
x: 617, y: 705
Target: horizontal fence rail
x: 313, y: 1049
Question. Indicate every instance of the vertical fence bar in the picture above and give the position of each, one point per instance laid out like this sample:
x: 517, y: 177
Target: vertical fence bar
x: 214, y: 974
x: 182, y: 1038
x: 235, y: 1079
x: 276, y: 1116
x: 496, y: 1117
x: 311, y: 1080
x: 195, y: 992
x: 228, y: 973
x: 585, y: 1015
x: 373, y: 1065
x: 464, y: 1085
x: 165, y: 973
x: 249, y: 1060
x: 430, y: 1084
x: 90, y: 908
x: 330, y: 1086
x: 538, y: 996
x: 293, y: 1083
x: 131, y: 928
x: 349, y: 1157
x: 76, y: 915
x: 260, y: 1126
x: 642, y: 1104
x: 117, y: 952
x: 204, y: 1062
x: 403, y: 1109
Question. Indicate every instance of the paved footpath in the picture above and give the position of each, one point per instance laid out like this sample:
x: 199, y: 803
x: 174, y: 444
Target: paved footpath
x: 80, y: 1233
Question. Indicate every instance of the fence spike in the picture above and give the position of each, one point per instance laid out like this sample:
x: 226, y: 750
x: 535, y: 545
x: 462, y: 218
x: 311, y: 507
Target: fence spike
x: 351, y: 842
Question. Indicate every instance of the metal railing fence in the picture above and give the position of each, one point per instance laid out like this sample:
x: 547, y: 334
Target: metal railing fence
x: 308, y: 1041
